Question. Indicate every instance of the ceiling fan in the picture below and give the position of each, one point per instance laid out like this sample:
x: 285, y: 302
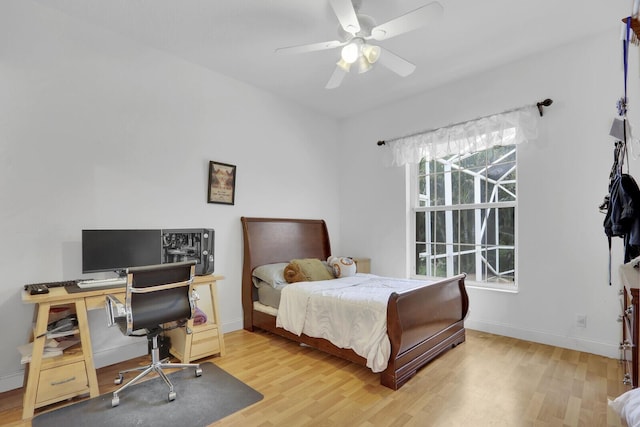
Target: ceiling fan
x: 355, y: 32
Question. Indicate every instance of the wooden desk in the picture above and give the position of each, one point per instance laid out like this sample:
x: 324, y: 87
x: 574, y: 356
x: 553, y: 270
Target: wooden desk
x: 51, y: 380
x: 73, y: 373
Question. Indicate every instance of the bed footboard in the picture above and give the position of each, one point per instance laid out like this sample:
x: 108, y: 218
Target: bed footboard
x: 421, y: 324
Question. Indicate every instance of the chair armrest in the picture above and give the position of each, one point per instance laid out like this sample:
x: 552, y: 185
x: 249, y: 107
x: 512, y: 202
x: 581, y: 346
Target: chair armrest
x: 115, y: 310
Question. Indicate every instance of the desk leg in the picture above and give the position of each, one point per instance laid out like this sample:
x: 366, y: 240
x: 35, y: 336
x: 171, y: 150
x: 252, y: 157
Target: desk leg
x: 216, y: 315
x: 85, y: 340
x: 33, y: 373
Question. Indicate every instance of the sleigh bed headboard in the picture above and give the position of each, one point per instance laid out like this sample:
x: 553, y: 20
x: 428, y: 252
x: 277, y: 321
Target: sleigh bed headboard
x: 271, y: 240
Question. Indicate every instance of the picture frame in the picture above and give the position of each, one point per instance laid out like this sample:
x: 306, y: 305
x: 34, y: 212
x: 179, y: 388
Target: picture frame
x: 222, y: 183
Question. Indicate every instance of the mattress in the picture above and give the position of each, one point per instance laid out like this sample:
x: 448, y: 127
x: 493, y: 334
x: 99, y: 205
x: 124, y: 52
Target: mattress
x: 269, y: 296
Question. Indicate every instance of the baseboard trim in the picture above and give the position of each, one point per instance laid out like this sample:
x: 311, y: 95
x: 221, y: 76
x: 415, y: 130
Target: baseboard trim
x: 12, y: 381
x: 570, y: 342
x: 232, y: 326
x: 110, y: 356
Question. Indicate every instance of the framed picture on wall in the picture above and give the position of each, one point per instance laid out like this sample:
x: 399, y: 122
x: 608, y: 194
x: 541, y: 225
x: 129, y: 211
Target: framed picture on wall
x: 222, y: 183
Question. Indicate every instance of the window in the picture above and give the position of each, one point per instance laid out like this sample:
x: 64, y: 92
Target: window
x: 463, y: 196
x: 464, y: 212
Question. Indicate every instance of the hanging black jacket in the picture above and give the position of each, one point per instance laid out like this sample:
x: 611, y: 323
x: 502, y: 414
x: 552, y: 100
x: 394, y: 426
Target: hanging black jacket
x: 623, y: 214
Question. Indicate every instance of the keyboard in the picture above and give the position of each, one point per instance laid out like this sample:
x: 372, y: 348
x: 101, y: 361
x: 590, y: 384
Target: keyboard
x: 51, y: 284
x: 99, y: 283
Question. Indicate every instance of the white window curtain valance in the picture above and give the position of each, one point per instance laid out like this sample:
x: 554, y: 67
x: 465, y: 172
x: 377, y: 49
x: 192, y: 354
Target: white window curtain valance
x: 509, y: 128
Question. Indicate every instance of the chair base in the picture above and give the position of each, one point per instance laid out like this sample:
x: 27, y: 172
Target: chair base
x: 157, y: 366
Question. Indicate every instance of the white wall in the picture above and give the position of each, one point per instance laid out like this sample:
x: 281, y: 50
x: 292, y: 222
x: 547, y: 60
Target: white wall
x: 96, y: 131
x: 562, y: 178
x: 99, y: 132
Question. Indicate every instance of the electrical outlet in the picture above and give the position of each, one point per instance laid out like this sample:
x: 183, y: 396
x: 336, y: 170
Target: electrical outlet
x: 581, y: 320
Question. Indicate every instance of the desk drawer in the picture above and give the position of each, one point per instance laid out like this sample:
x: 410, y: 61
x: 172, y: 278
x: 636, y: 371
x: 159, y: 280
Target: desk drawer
x: 205, y: 343
x: 68, y: 380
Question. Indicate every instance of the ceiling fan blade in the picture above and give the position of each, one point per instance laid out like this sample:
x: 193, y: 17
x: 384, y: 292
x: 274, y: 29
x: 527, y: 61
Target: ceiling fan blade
x: 346, y: 15
x: 408, y: 22
x: 336, y: 78
x: 310, y: 47
x: 395, y: 63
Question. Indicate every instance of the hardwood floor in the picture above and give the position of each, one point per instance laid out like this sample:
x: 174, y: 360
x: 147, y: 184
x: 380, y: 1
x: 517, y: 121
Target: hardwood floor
x: 489, y: 380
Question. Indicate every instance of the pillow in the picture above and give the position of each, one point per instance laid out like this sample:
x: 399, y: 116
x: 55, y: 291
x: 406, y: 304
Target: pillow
x: 328, y: 268
x: 342, y: 266
x: 627, y: 406
x: 311, y: 268
x: 272, y: 274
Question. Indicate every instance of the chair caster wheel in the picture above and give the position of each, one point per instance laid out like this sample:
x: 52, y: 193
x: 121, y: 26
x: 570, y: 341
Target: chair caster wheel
x: 119, y: 380
x: 172, y: 396
x: 115, y: 401
x: 198, y: 372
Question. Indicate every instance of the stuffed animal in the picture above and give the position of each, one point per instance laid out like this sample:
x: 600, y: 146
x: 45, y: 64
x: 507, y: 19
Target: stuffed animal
x: 342, y: 266
x: 293, y: 273
x: 306, y: 270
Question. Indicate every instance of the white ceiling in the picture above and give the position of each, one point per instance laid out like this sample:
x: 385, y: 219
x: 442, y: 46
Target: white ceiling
x: 238, y: 38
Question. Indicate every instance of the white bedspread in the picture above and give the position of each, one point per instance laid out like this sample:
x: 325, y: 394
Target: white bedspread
x: 351, y: 312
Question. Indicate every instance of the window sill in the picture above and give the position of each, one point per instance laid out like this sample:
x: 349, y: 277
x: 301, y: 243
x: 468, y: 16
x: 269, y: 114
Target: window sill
x: 470, y: 284
x: 510, y: 289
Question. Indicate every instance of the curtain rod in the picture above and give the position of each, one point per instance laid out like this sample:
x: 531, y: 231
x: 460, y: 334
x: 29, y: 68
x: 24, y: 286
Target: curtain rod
x: 540, y: 106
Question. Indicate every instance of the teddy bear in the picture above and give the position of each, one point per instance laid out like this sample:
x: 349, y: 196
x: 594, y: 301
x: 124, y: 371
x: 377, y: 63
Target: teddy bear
x: 293, y: 273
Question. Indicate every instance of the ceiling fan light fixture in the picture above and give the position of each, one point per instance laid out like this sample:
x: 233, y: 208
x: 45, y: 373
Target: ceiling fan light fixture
x: 372, y: 53
x: 363, y: 65
x: 344, y: 65
x: 351, y: 52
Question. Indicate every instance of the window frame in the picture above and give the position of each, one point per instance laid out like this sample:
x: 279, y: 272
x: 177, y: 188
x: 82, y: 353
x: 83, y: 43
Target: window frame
x: 414, y: 208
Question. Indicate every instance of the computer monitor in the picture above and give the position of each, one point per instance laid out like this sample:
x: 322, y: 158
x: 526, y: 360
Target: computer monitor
x: 117, y: 250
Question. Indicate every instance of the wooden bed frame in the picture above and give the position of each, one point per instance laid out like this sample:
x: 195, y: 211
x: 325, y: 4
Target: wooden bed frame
x: 421, y: 323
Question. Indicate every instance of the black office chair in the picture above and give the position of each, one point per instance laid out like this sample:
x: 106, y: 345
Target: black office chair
x: 155, y: 295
